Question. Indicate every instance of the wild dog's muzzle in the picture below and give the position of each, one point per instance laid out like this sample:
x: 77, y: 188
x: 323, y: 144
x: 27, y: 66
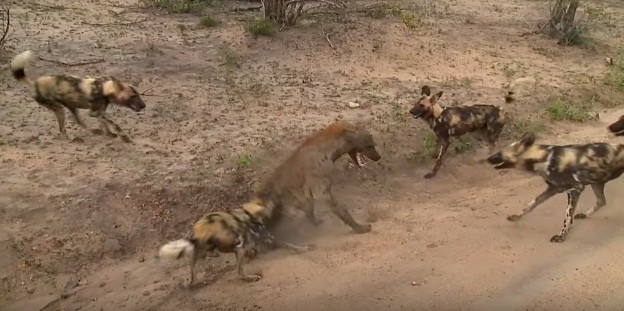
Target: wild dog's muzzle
x: 417, y: 112
x: 498, y: 161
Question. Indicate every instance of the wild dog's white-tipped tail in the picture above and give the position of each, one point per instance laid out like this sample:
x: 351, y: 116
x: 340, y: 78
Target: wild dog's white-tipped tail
x: 19, y: 64
x: 175, y: 250
x: 515, y: 86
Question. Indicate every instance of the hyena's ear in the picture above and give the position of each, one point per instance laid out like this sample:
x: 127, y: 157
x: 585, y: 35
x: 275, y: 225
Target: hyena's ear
x: 425, y: 90
x: 436, y: 97
x: 528, y: 139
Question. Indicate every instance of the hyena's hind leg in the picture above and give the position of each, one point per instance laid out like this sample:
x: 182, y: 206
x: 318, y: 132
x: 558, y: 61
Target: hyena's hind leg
x: 547, y: 194
x: 309, y: 212
x: 601, y: 201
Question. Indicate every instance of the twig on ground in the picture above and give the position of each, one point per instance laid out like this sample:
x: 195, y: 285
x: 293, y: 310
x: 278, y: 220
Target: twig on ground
x: 144, y: 93
x: 328, y: 41
x: 136, y: 21
x: 68, y: 64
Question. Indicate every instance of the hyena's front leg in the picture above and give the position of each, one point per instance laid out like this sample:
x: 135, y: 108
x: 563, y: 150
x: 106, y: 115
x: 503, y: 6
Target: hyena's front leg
x: 309, y: 212
x: 443, y: 144
x: 573, y: 197
x: 547, y: 194
x: 346, y: 217
x: 274, y: 242
x: 601, y: 201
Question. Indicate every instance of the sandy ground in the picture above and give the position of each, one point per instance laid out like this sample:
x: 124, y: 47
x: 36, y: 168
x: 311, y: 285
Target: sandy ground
x: 224, y: 107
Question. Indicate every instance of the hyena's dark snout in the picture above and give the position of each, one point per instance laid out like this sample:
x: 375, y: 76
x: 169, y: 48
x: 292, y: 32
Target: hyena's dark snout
x: 617, y: 128
x: 496, y: 158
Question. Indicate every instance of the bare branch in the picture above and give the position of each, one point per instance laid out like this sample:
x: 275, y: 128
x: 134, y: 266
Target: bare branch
x: 6, y: 28
x: 81, y: 63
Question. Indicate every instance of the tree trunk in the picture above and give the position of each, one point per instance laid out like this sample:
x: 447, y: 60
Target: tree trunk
x: 282, y: 12
x: 562, y: 24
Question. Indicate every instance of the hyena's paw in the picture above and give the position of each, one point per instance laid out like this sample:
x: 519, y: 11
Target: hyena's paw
x: 111, y: 135
x: 514, y: 217
x: 126, y: 139
x: 580, y: 216
x: 430, y: 175
x: 252, y: 277
x: 97, y: 131
x: 362, y: 228
x: 557, y: 238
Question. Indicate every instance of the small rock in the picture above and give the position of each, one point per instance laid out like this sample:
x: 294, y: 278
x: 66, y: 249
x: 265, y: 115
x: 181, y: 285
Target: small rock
x: 353, y: 105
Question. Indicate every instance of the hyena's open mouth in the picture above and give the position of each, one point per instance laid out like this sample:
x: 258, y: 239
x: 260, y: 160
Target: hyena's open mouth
x: 361, y: 159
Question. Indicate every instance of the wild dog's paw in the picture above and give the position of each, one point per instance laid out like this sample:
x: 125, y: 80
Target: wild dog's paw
x: 111, y: 134
x: 316, y: 222
x: 514, y: 217
x: 580, y: 216
x: 363, y: 228
x: 557, y: 238
x: 430, y: 175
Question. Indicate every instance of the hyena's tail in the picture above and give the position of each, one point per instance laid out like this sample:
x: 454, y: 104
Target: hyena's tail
x: 19, y: 64
x: 177, y: 249
x: 515, y: 86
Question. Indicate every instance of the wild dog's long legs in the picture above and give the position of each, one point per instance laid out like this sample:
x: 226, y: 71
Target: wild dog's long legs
x: 77, y: 118
x: 194, y: 257
x: 601, y: 201
x: 121, y: 133
x: 240, y: 257
x: 60, y: 117
x: 547, y: 194
x: 573, y: 197
x: 443, y: 144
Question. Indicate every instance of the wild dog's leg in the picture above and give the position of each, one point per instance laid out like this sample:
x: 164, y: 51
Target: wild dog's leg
x: 121, y: 133
x: 194, y: 258
x: 573, y: 196
x: 240, y: 257
x: 550, y: 191
x: 443, y: 145
x: 60, y: 117
x: 601, y: 201
x: 77, y: 118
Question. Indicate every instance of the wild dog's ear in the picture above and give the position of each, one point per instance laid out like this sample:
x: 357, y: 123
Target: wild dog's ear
x: 425, y: 90
x: 528, y: 139
x: 436, y: 97
x: 118, y: 83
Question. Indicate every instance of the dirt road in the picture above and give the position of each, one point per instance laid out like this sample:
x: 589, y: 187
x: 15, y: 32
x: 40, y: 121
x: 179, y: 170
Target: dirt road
x: 223, y: 108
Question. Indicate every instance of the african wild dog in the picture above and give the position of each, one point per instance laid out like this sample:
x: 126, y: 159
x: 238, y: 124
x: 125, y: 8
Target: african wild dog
x: 295, y: 185
x: 617, y: 127
x: 235, y: 231
x: 73, y: 93
x: 447, y: 122
x: 565, y: 168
